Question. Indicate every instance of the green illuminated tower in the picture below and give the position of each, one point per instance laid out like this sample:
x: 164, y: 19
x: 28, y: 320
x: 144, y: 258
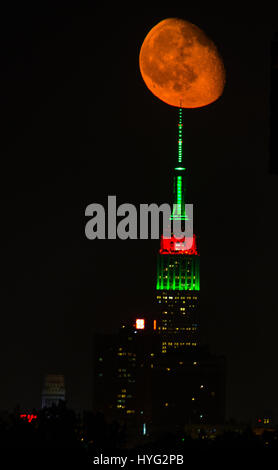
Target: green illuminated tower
x: 178, y: 273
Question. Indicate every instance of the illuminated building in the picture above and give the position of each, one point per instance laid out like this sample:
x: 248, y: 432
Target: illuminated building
x: 155, y: 374
x: 188, y: 382
x: 53, y: 390
x: 122, y: 378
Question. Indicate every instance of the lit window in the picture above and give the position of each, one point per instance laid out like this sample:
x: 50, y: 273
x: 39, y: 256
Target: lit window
x: 140, y: 323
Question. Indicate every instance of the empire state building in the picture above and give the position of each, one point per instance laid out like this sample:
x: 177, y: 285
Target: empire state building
x: 155, y: 374
x: 178, y: 273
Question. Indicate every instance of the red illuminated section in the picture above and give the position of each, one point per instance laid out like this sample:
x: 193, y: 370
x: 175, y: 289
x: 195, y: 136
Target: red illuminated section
x: 178, y: 246
x: 140, y: 324
x: 28, y: 417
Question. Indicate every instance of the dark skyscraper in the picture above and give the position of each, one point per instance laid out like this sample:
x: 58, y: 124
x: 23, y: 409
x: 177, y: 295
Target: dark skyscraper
x: 53, y: 390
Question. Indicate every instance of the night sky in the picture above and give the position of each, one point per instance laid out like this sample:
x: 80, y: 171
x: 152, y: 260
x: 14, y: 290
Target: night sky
x: 79, y: 124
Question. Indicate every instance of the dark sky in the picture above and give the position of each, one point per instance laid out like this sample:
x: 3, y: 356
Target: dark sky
x: 79, y: 124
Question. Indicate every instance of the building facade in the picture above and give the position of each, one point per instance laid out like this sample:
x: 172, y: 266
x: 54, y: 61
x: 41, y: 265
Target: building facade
x: 273, y: 106
x: 155, y: 374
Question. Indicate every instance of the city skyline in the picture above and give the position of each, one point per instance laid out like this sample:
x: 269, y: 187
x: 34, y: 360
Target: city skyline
x: 84, y: 135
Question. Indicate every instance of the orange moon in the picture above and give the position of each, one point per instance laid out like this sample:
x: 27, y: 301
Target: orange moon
x: 180, y: 65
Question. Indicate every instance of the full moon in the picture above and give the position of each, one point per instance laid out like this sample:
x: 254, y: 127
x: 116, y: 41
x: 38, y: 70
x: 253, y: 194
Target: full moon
x: 180, y: 65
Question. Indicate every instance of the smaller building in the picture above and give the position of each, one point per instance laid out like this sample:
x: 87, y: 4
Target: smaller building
x: 53, y: 390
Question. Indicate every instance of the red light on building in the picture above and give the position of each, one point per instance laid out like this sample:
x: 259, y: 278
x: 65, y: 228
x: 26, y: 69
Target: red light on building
x: 140, y: 323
